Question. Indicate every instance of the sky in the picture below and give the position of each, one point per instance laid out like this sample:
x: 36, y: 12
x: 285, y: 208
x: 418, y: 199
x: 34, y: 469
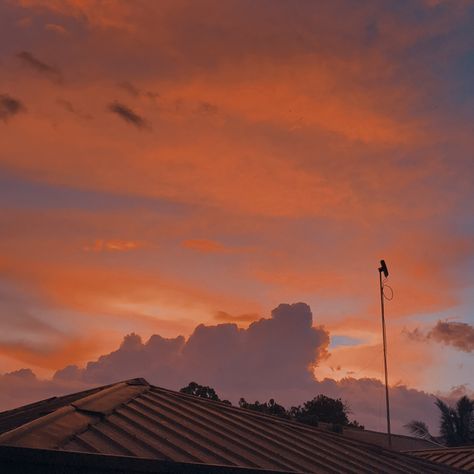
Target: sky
x: 204, y: 190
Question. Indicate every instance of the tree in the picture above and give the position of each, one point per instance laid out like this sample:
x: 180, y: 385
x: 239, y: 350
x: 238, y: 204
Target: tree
x: 270, y: 408
x: 456, y: 424
x: 419, y: 429
x: 321, y: 409
x: 202, y: 391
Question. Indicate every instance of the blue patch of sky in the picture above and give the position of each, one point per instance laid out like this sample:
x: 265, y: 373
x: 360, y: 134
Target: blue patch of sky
x: 19, y: 193
x: 337, y: 341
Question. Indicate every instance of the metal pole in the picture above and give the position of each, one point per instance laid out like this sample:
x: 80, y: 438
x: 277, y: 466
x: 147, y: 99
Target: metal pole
x: 385, y: 361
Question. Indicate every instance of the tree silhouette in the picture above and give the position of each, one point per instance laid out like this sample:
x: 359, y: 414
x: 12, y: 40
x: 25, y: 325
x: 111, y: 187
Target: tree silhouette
x: 321, y: 409
x: 456, y: 424
x: 269, y: 408
x: 202, y: 391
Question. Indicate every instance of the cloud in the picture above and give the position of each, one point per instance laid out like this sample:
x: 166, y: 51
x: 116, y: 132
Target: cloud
x: 33, y: 62
x: 9, y: 107
x: 205, y: 246
x: 273, y: 357
x: 56, y: 28
x: 20, y: 387
x: 269, y: 353
x: 128, y: 115
x: 458, y: 335
x: 451, y: 333
x: 228, y: 318
x: 114, y: 245
x: 338, y: 139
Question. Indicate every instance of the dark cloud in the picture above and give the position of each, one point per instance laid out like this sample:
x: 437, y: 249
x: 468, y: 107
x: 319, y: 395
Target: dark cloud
x: 33, y: 62
x: 9, y: 107
x: 128, y: 115
x: 458, y: 335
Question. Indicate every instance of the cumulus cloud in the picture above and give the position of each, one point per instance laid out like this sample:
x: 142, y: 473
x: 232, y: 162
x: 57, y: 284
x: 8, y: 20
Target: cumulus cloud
x: 9, y: 107
x: 30, y: 60
x: 450, y: 333
x: 273, y: 357
x: 275, y: 352
x: 128, y: 115
x: 22, y: 386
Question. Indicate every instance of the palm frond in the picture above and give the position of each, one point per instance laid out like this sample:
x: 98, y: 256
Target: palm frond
x: 419, y: 429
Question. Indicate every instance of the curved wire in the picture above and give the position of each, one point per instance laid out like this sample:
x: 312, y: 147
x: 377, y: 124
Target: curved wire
x: 391, y: 292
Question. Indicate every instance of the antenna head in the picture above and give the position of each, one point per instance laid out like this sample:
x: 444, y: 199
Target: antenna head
x: 383, y: 268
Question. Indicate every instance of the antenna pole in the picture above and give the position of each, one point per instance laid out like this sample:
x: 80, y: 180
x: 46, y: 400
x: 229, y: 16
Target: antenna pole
x: 387, y: 402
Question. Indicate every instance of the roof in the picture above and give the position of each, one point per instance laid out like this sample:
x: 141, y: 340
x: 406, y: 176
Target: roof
x: 399, y: 442
x: 459, y: 458
x: 19, y: 416
x: 47, y: 461
x: 138, y: 420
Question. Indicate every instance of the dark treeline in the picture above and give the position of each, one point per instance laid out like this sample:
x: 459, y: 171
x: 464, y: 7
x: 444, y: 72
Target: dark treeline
x: 320, y: 409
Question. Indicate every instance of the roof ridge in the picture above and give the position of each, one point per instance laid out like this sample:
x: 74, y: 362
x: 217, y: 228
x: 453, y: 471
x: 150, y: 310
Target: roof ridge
x: 98, y: 404
x: 9, y: 436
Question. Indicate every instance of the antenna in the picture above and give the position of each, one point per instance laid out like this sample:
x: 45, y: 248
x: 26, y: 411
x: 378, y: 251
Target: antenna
x: 383, y: 269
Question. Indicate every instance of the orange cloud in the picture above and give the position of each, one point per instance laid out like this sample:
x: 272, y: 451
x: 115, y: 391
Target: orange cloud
x: 205, y: 246
x: 316, y: 142
x: 113, y: 246
x: 56, y: 28
x: 53, y: 356
x: 222, y: 316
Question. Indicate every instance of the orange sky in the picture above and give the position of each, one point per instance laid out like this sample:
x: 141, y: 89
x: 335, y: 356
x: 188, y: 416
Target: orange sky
x: 165, y: 164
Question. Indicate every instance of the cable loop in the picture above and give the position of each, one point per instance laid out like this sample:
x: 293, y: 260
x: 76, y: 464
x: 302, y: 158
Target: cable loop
x: 389, y: 298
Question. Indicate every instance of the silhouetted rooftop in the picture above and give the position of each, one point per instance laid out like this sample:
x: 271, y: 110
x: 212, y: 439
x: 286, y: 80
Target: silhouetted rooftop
x: 459, y: 458
x: 140, y: 421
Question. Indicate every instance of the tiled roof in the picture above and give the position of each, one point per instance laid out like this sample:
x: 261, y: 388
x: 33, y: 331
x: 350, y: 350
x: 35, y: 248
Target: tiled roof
x: 459, y: 458
x: 136, y: 419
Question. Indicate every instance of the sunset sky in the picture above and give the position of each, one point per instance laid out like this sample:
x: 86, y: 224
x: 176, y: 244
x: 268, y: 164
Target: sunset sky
x: 170, y: 164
